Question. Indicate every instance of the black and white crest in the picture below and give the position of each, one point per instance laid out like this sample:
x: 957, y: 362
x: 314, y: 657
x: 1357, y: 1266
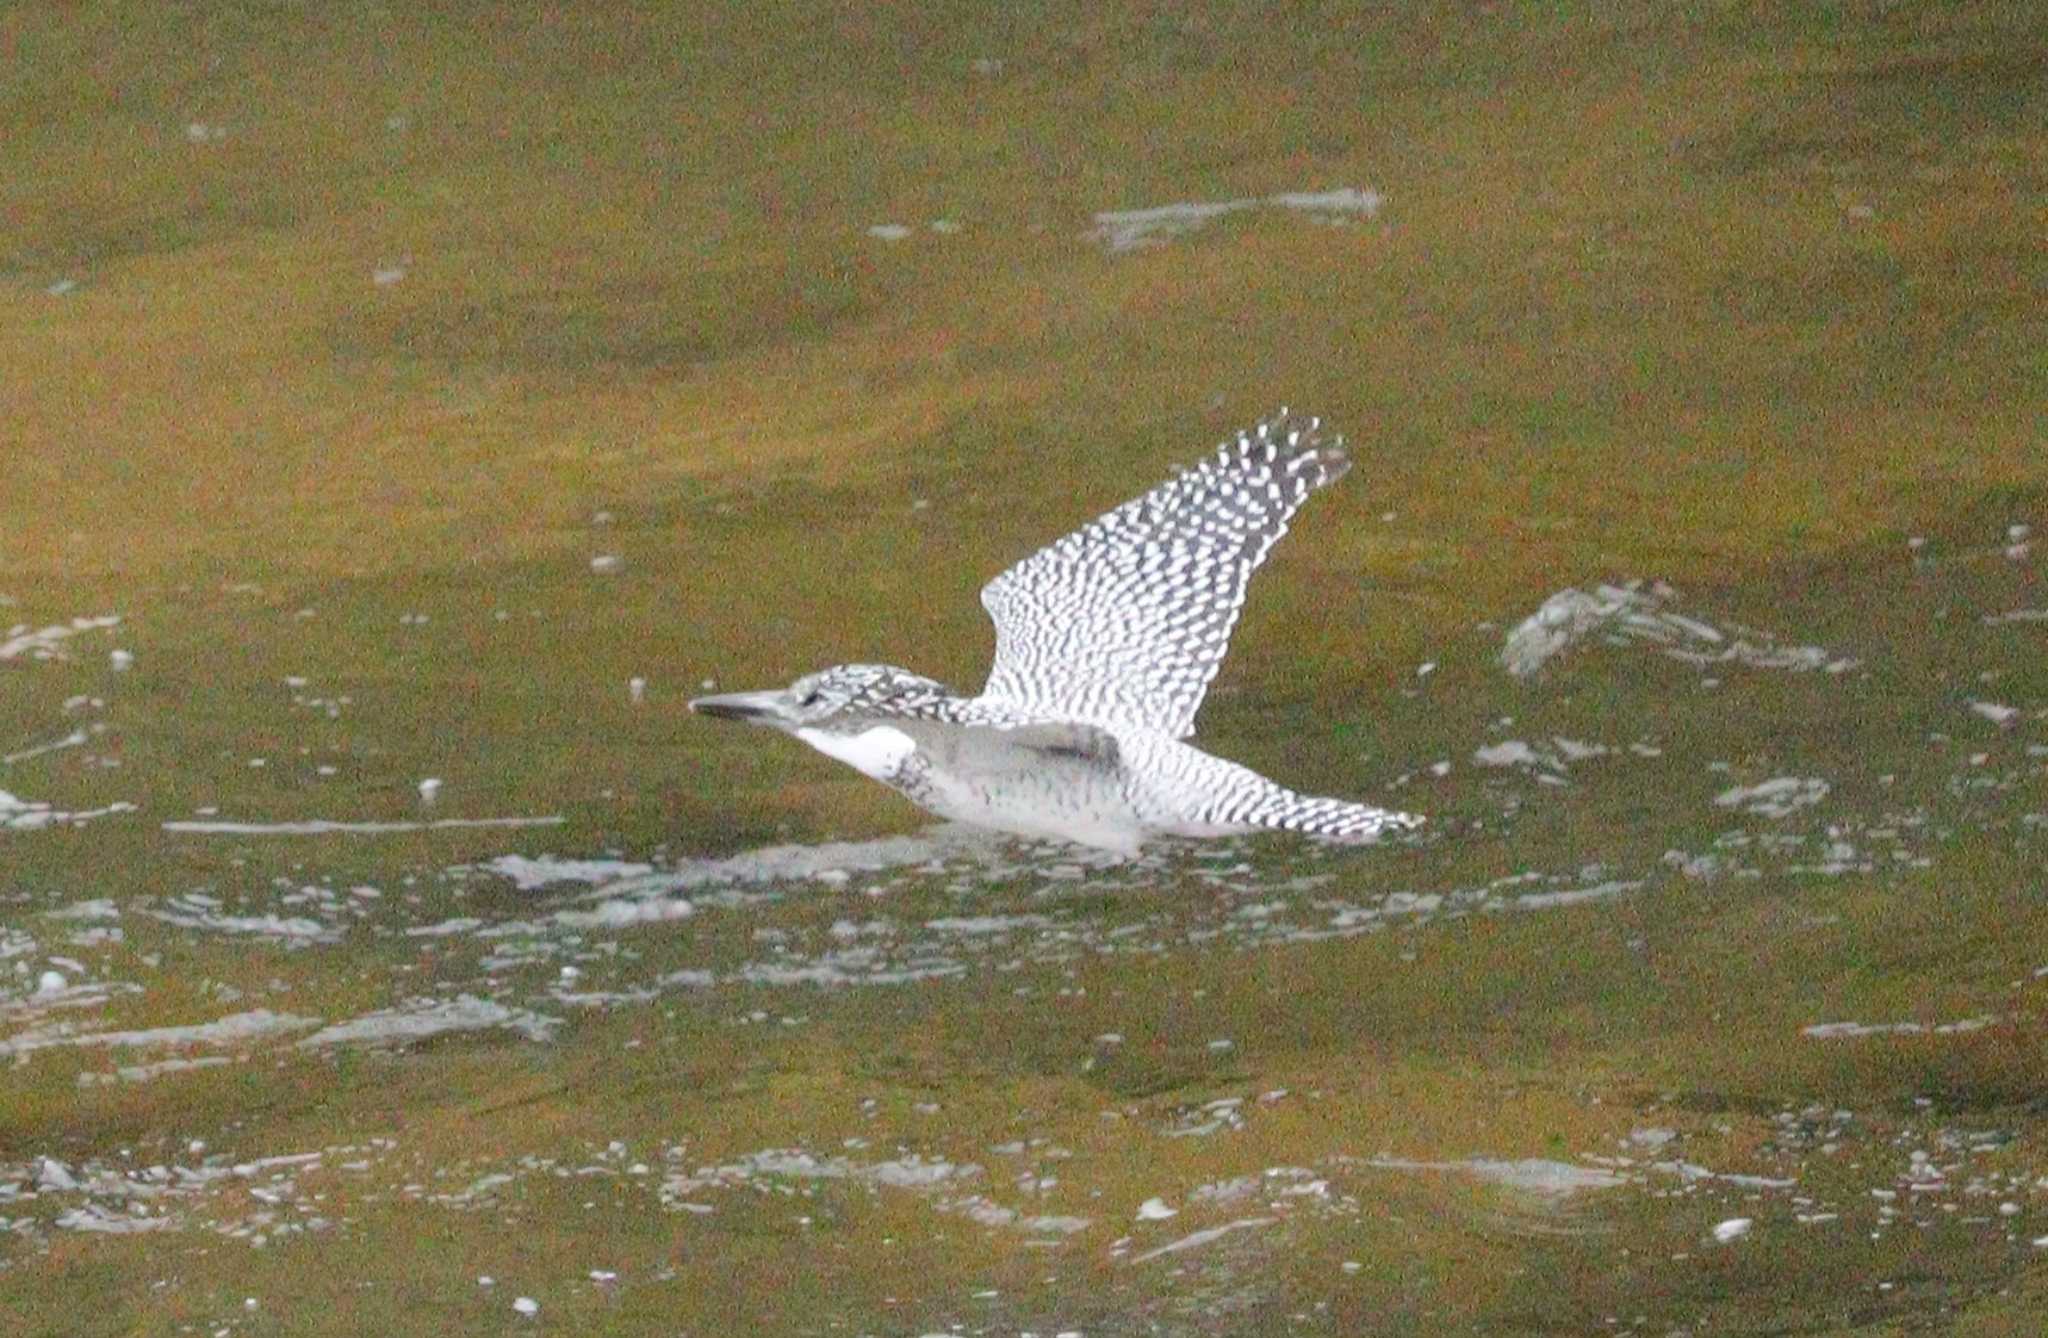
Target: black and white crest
x: 871, y: 689
x: 1127, y: 619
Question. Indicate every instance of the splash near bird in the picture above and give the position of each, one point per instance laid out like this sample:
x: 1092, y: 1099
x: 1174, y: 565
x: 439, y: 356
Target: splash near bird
x: 1106, y: 642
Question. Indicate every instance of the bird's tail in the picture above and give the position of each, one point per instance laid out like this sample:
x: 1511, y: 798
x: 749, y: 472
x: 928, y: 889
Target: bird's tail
x: 1337, y: 820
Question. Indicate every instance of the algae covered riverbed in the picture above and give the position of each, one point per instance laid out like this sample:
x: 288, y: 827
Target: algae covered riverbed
x: 407, y: 410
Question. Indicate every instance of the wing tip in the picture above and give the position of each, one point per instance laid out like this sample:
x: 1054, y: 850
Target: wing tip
x: 1299, y: 442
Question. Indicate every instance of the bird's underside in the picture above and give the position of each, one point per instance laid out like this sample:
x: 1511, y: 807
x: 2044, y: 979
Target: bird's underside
x: 1106, y: 642
x: 1109, y: 788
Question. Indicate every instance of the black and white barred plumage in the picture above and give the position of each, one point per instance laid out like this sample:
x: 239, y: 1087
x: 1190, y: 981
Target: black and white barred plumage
x: 1128, y: 618
x: 1106, y: 642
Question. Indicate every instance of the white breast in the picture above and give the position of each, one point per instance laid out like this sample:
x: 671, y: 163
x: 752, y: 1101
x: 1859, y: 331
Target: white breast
x: 876, y: 752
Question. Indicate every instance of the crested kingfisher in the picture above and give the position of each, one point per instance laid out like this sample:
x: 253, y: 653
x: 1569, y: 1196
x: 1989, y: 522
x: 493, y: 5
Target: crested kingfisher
x: 1105, y: 645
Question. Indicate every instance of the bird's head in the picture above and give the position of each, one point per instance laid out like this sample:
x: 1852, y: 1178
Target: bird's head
x: 849, y: 691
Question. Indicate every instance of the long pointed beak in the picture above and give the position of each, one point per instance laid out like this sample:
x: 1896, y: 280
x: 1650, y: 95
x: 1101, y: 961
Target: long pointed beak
x: 759, y: 708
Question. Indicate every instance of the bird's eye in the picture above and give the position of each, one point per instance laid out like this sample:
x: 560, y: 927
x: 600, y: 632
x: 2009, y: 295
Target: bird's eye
x: 811, y: 700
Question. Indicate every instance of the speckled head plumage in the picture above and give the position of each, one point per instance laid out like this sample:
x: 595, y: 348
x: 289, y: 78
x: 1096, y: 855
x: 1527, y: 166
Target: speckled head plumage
x: 842, y: 697
x: 871, y: 690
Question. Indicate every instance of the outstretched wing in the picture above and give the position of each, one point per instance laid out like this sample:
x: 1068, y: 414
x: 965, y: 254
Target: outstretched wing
x: 1127, y: 619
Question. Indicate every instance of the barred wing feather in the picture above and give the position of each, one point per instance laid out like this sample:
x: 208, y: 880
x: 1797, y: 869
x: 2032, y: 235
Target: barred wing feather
x: 1126, y: 620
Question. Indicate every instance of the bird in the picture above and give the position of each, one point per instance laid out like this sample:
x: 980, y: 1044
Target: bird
x: 1106, y: 643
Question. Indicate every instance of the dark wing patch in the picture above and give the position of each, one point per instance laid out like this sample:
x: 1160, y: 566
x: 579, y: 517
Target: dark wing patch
x: 1082, y: 742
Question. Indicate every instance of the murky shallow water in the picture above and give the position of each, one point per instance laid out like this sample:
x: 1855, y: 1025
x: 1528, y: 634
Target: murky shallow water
x: 1622, y: 756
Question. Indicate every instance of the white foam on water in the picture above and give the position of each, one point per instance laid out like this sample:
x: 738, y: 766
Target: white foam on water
x: 986, y: 1211
x: 26, y: 815
x: 850, y: 966
x: 98, y: 1218
x: 828, y: 860
x: 1836, y: 1030
x: 908, y: 1172
x: 1218, y: 1116
x: 1533, y: 1175
x: 1693, y: 1174
x: 69, y: 996
x: 1196, y: 1239
x: 530, y: 872
x: 293, y: 931
x: 1225, y: 1191
x: 247, y: 1169
x: 133, y: 1197
x: 1778, y: 797
x: 1638, y: 613
x: 1996, y: 712
x: 973, y: 925
x: 1508, y: 753
x: 1119, y: 231
x: 620, y: 884
x: 419, y: 1019
x: 230, y: 1030
x: 1502, y: 895
x: 928, y: 1177
x: 97, y: 908
x: 1364, y: 203
x: 603, y: 998
x: 1570, y: 896
x: 461, y: 924
x: 1555, y: 756
x: 47, y: 643
x: 618, y: 913
x: 1128, y: 229
x: 148, y: 1072
x: 74, y: 739
x: 1283, y: 1183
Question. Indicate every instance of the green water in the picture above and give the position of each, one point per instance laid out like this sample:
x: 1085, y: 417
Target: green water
x: 338, y: 344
